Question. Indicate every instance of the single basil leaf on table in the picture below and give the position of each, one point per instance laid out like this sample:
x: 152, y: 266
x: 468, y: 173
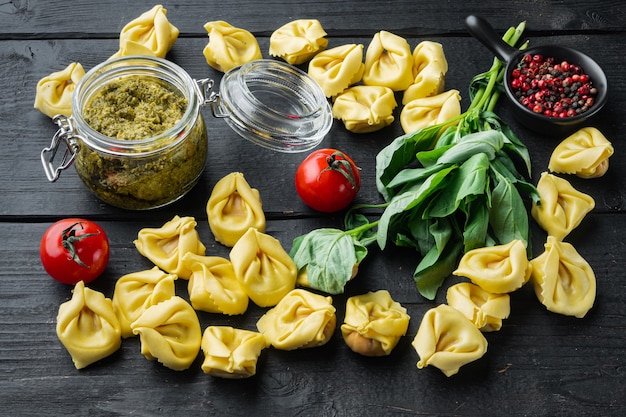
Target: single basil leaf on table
x: 329, y: 256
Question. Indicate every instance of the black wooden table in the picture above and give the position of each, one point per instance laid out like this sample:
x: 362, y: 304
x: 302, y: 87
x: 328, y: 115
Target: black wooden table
x: 540, y: 363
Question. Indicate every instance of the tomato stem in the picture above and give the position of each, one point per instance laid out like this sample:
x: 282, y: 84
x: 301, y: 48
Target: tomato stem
x: 342, y: 166
x: 70, y: 238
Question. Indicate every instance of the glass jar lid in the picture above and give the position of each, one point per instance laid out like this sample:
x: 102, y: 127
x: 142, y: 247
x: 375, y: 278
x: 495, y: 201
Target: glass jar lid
x: 275, y: 105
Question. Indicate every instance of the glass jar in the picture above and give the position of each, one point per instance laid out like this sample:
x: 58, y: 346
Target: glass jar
x: 271, y: 103
x: 142, y: 172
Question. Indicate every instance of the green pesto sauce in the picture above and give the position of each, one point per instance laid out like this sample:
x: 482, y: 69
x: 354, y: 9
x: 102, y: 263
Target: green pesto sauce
x: 149, y: 181
x: 134, y: 108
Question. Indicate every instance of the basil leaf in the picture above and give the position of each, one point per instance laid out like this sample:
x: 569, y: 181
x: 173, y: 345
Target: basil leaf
x: 508, y: 216
x: 435, y: 267
x: 487, y: 142
x: 408, y: 200
x: 329, y: 255
x: 400, y: 152
x: 476, y: 223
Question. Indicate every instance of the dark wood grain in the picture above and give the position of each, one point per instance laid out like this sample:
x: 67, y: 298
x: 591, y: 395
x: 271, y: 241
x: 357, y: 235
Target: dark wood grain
x: 539, y: 364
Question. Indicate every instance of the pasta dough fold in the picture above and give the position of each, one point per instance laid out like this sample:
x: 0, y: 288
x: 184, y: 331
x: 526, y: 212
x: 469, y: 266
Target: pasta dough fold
x: 137, y: 291
x: 166, y: 246
x: 149, y: 34
x: 87, y: 326
x: 486, y: 310
x: 337, y: 68
x: 562, y: 208
x: 365, y: 108
x: 53, y: 95
x: 170, y: 333
x: 429, y: 111
x: 231, y: 353
x: 301, y: 319
x: 563, y: 280
x: 584, y: 153
x: 497, y: 269
x: 388, y: 62
x: 374, y: 323
x: 429, y: 71
x: 447, y: 340
x: 264, y: 269
x: 229, y: 46
x: 233, y: 208
x: 213, y: 286
x: 298, y: 41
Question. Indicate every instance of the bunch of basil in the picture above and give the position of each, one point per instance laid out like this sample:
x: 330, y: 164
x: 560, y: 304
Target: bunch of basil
x: 449, y: 188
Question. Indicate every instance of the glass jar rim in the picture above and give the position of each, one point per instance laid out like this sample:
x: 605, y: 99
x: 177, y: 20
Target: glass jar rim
x: 159, y: 68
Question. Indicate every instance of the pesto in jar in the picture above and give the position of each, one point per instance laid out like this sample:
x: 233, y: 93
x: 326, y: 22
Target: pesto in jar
x: 152, y: 174
x: 134, y: 108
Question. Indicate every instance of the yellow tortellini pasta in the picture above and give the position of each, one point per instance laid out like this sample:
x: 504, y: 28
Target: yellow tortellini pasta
x: 562, y: 208
x: 429, y: 111
x: 231, y: 353
x: 585, y: 153
x: 137, y: 291
x: 170, y: 333
x: 447, y: 340
x: 298, y: 41
x: 485, y: 309
x: 337, y: 68
x: 213, y: 286
x: 166, y: 246
x: 497, y: 269
x: 301, y: 319
x: 563, y: 280
x: 429, y: 71
x: 388, y: 62
x: 374, y: 323
x: 53, y: 95
x: 149, y: 34
x: 229, y: 46
x: 233, y: 208
x: 365, y: 108
x: 87, y: 326
x: 263, y: 267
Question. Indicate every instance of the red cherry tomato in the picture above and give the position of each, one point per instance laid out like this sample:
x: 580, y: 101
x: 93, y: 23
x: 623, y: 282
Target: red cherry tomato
x: 74, y: 250
x: 328, y: 180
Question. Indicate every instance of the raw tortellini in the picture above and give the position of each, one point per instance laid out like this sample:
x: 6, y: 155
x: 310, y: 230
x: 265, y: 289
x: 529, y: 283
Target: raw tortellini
x: 585, y: 153
x: 54, y: 92
x: 213, y: 286
x: 485, y: 309
x: 264, y: 269
x: 298, y: 41
x: 429, y: 71
x: 166, y: 246
x: 429, y: 111
x: 231, y: 353
x: 170, y: 333
x: 388, y: 62
x: 302, y: 319
x: 233, y: 208
x: 337, y: 68
x: 497, y: 269
x: 88, y: 327
x: 374, y: 323
x: 563, y: 280
x: 365, y: 108
x: 137, y: 291
x: 229, y: 47
x: 149, y: 34
x: 562, y: 207
x: 447, y: 340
